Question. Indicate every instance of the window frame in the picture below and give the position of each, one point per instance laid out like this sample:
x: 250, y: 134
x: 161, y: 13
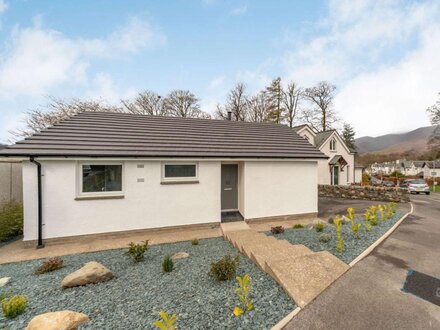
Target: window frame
x: 80, y: 194
x: 333, y: 144
x: 183, y: 179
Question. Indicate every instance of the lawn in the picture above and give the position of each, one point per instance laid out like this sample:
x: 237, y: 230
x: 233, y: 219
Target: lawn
x: 140, y: 291
x: 353, y: 247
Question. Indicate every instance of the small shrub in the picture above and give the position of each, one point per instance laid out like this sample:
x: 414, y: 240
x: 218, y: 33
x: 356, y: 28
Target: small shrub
x: 367, y: 227
x: 243, y: 295
x: 340, y: 244
x: 298, y: 226
x: 392, y: 207
x: 49, y: 265
x: 355, y: 228
x: 14, y: 306
x: 11, y: 220
x: 136, y: 251
x: 167, y: 322
x: 195, y: 241
x: 167, y: 264
x: 331, y: 221
x: 277, y: 230
x: 319, y: 226
x: 339, y: 239
x: 324, y: 238
x: 382, y: 209
x: 351, y: 214
x: 225, y: 268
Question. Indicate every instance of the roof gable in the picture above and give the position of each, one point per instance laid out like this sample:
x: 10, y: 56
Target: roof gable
x: 99, y: 134
x: 322, y: 137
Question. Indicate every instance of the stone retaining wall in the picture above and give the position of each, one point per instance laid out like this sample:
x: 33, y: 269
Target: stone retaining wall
x: 385, y: 194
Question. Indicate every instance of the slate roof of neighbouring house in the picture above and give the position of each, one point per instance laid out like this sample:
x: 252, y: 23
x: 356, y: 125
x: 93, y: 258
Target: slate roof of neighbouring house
x: 321, y: 137
x: 299, y: 127
x: 99, y: 134
x: 433, y: 164
x: 2, y: 146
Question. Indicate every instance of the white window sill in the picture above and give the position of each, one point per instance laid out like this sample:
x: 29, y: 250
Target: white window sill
x: 93, y: 197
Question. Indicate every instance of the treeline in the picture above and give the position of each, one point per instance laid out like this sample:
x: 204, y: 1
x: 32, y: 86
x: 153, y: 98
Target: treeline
x: 277, y: 103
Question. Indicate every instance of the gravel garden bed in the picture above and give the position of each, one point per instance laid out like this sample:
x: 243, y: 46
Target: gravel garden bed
x: 353, y: 247
x: 140, y: 291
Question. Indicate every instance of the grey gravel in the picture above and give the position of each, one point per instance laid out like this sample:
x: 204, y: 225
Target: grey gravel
x: 140, y: 291
x: 353, y: 247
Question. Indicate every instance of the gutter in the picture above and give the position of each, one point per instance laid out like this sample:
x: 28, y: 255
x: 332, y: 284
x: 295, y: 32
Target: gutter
x: 40, y: 244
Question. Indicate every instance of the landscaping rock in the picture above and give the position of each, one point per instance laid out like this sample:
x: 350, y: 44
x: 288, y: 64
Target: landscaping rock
x: 63, y: 320
x: 180, y: 255
x: 386, y: 194
x: 92, y: 272
x: 4, y: 281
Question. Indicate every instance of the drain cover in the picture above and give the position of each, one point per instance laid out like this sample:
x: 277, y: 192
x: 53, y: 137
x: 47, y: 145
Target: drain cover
x: 423, y: 286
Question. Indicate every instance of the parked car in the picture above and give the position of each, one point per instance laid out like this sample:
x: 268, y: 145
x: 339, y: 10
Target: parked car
x: 405, y: 183
x: 386, y: 183
x: 418, y: 186
x: 375, y: 181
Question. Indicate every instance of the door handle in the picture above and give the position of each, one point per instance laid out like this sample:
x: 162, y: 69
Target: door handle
x: 227, y: 189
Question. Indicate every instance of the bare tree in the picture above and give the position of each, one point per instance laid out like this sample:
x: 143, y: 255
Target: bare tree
x: 434, y: 140
x: 321, y: 115
x: 291, y: 98
x: 275, y: 95
x: 434, y: 112
x: 56, y: 111
x: 237, y: 104
x: 145, y: 103
x: 258, y: 106
x: 183, y: 103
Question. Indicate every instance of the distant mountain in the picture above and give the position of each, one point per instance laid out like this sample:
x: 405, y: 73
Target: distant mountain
x: 395, y: 143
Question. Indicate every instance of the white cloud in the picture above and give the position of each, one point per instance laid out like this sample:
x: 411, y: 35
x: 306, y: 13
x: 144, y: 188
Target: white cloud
x: 237, y: 11
x: 3, y: 6
x: 39, y: 58
x: 217, y: 82
x: 383, y: 56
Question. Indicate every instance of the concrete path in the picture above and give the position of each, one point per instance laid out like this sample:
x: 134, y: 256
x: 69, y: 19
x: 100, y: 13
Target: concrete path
x: 302, y: 273
x: 368, y: 296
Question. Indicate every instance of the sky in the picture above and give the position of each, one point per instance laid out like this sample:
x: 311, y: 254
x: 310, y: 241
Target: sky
x: 383, y: 56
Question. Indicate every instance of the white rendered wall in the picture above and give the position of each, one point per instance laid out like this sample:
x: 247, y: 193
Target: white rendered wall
x: 147, y: 204
x: 280, y: 188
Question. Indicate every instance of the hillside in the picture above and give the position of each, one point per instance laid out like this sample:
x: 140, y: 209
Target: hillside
x: 415, y: 140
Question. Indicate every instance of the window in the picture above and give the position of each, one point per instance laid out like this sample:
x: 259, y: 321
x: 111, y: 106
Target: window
x: 179, y: 172
x: 332, y: 145
x: 101, y: 178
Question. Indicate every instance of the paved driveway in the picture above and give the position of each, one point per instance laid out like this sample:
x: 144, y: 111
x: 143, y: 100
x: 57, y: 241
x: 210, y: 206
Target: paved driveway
x: 368, y: 296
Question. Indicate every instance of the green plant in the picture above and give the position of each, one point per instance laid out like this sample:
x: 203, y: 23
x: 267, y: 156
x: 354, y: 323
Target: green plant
x: 298, y: 226
x: 331, y: 221
x: 195, y: 241
x: 136, y: 251
x: 277, y: 230
x: 324, y: 238
x: 351, y: 214
x: 11, y: 220
x: 167, y: 322
x: 243, y: 295
x: 49, y: 265
x: 355, y: 228
x: 319, y: 226
x: 392, y: 207
x: 167, y: 264
x: 339, y: 239
x: 382, y: 209
x: 14, y: 306
x: 367, y: 227
x: 225, y: 268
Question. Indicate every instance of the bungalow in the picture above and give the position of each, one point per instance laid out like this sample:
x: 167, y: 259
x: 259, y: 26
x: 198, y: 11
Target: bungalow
x: 111, y: 172
x: 339, y: 168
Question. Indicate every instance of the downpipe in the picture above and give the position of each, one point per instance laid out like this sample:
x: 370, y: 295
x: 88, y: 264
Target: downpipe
x: 40, y: 244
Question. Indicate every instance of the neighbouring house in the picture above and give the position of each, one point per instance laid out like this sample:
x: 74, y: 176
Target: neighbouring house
x: 339, y: 168
x: 431, y: 169
x: 358, y: 172
x: 403, y: 166
x: 111, y: 172
x: 10, y: 180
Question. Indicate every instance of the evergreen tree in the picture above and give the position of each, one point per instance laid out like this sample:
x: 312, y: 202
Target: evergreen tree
x: 348, y: 134
x: 275, y: 97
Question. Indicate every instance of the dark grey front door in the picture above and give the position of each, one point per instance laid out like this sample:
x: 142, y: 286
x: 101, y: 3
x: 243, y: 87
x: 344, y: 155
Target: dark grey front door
x: 229, y: 187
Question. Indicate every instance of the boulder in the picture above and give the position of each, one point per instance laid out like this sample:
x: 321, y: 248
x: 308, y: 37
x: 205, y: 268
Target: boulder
x: 92, y: 272
x: 180, y: 255
x: 63, y: 320
x: 4, y: 281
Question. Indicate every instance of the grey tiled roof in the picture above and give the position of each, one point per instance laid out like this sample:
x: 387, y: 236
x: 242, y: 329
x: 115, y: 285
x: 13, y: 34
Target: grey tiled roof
x: 321, y: 137
x: 98, y: 134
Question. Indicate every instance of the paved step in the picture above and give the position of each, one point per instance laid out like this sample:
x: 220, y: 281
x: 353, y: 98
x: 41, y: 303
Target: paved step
x: 305, y: 277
